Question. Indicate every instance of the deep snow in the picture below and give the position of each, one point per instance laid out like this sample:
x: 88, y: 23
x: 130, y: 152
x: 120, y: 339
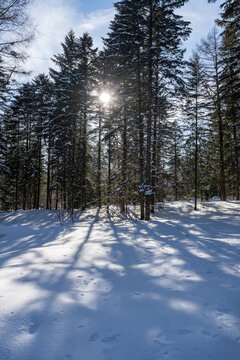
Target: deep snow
x: 121, y: 290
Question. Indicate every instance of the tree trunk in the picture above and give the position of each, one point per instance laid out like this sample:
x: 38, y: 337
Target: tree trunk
x: 141, y: 140
x: 99, y: 181
x: 175, y: 169
x: 39, y: 167
x: 220, y: 131
x: 109, y: 173
x: 236, y: 162
x: 196, y: 154
x: 155, y: 134
x: 149, y: 120
x: 124, y: 163
x: 84, y: 163
x: 48, y: 174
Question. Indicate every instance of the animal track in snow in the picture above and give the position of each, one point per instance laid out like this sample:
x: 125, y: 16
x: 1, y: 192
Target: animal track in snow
x: 110, y: 339
x: 94, y: 337
x: 35, y: 323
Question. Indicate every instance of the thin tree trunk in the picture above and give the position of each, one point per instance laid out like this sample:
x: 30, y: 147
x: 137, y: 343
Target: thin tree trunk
x: 99, y: 182
x: 220, y: 131
x: 154, y: 163
x: 149, y: 120
x: 64, y: 187
x: 84, y: 163
x: 109, y: 172
x: 39, y: 167
x: 236, y: 161
x: 48, y: 173
x: 155, y: 133
x: 124, y: 163
x: 236, y: 151
x: 73, y: 173
x: 17, y: 175
x: 175, y: 168
x: 196, y: 154
x: 141, y: 141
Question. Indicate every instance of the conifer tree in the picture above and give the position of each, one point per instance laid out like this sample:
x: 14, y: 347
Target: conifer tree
x: 194, y: 107
x: 139, y: 43
x: 230, y: 55
x: 209, y: 50
x: 73, y: 83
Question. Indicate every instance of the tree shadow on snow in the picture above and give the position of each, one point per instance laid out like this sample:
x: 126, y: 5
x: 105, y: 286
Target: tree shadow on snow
x: 128, y: 290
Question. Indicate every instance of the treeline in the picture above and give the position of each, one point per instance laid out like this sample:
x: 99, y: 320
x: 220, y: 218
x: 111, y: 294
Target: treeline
x: 131, y: 124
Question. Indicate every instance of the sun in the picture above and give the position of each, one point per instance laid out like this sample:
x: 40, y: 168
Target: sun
x: 105, y: 98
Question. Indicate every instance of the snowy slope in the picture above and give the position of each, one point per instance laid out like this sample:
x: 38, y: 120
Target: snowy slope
x: 121, y: 290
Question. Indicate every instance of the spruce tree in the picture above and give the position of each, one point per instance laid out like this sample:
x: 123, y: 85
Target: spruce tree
x: 139, y: 43
x: 73, y: 84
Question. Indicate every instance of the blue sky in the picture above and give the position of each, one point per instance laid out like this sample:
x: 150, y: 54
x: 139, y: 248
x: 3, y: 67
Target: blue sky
x: 54, y: 18
x: 91, y: 5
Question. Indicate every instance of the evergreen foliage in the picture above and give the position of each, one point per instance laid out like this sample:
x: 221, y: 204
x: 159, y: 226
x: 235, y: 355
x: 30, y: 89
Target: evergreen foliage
x: 133, y: 124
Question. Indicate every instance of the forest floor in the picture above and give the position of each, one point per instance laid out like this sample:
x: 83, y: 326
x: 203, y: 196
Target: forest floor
x: 108, y: 289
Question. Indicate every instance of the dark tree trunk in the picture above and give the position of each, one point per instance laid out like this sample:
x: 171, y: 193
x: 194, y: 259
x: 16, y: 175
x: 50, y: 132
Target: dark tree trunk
x: 99, y: 174
x: 39, y: 169
x: 175, y: 169
x: 149, y: 120
x: 236, y: 162
x: 109, y: 172
x: 220, y: 132
x: 196, y: 154
x: 84, y: 160
x: 48, y: 174
x: 141, y: 140
x: 124, y: 163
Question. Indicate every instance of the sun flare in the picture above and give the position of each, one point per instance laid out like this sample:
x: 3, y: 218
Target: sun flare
x: 105, y: 98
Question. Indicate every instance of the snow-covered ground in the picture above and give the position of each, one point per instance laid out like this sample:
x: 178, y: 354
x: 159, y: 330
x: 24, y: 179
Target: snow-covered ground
x: 121, y: 290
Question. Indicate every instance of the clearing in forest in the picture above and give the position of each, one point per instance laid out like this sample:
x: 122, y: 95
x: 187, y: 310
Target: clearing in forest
x: 122, y: 290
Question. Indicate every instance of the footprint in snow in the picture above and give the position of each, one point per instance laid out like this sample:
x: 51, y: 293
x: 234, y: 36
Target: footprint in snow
x: 93, y: 337
x: 35, y: 324
x: 110, y: 339
x: 33, y: 328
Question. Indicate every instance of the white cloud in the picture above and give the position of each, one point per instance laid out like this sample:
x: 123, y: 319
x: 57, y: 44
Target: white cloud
x: 202, y: 17
x: 54, y: 19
